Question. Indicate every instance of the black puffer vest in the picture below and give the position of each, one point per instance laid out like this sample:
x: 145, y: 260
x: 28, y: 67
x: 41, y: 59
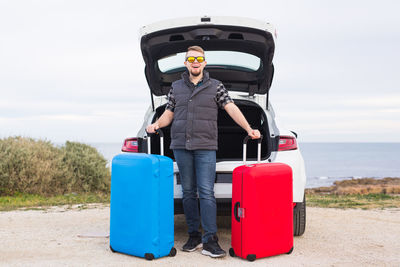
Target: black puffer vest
x: 195, y: 115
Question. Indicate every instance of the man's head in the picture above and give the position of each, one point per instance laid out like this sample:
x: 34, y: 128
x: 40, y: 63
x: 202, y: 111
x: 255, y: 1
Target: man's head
x: 195, y: 67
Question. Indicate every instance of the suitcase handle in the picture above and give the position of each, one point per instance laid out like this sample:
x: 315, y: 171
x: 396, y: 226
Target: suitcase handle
x: 158, y: 131
x: 235, y: 211
x: 258, y: 149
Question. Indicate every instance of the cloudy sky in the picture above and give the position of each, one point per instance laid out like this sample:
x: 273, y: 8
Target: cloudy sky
x: 73, y: 70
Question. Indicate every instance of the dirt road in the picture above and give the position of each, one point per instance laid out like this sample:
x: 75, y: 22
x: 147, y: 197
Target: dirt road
x: 62, y: 238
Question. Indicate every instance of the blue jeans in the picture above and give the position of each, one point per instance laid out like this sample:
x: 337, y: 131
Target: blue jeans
x: 197, y: 174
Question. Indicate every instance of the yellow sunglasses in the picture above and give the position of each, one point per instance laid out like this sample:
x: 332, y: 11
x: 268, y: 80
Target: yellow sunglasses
x: 192, y: 59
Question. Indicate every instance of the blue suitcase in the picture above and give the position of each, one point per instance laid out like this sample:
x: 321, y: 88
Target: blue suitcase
x: 142, y: 205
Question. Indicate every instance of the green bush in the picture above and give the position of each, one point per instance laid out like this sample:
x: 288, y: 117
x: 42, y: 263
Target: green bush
x: 88, y: 168
x: 38, y: 167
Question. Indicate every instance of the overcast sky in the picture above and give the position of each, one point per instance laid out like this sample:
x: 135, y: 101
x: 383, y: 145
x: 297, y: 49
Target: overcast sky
x: 73, y: 70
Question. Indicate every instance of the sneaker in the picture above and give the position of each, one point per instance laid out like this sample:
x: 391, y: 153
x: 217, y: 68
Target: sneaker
x: 193, y: 243
x: 212, y: 249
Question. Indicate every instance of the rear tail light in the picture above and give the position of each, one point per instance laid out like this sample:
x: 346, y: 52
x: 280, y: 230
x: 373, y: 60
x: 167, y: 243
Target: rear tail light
x: 287, y: 143
x: 131, y: 145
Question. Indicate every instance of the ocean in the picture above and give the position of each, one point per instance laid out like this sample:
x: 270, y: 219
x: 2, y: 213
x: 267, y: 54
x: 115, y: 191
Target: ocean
x: 329, y: 162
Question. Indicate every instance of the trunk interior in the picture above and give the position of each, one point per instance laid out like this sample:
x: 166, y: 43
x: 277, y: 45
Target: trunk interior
x: 230, y: 135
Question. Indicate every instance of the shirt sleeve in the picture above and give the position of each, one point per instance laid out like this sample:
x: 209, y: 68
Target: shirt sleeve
x: 222, y: 98
x: 171, y: 101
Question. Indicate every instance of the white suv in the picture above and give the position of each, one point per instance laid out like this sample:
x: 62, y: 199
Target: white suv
x: 239, y: 52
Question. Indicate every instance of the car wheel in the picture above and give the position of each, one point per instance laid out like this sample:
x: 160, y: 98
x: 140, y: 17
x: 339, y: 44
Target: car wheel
x: 299, y: 218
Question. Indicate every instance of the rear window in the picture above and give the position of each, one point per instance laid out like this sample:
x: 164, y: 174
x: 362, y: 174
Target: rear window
x: 222, y: 59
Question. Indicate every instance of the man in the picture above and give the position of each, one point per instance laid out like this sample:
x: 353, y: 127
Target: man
x: 193, y: 103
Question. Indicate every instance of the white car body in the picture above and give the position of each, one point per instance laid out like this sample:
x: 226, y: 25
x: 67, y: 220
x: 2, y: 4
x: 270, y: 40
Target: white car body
x: 164, y: 44
x: 293, y: 158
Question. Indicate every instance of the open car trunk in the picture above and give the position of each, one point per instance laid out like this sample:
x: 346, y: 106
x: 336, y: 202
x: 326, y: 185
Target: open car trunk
x: 230, y: 135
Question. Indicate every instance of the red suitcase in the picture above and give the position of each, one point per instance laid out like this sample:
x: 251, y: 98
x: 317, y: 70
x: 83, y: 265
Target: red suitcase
x: 262, y: 209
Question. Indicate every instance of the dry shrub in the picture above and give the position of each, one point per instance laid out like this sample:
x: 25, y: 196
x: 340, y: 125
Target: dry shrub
x: 393, y: 189
x: 368, y: 181
x: 38, y: 167
x: 319, y: 190
x: 359, y: 190
x: 362, y: 186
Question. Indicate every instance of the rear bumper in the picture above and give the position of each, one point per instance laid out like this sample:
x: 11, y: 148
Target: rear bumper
x: 224, y: 206
x: 223, y: 183
x: 294, y: 159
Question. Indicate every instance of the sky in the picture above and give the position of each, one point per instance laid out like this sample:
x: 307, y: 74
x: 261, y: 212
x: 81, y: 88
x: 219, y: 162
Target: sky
x: 73, y: 70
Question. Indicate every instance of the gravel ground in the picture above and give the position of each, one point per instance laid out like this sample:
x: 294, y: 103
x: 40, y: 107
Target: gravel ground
x: 73, y: 237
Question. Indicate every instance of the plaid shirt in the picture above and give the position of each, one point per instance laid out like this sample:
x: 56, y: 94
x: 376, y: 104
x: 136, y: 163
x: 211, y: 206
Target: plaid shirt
x: 221, y: 98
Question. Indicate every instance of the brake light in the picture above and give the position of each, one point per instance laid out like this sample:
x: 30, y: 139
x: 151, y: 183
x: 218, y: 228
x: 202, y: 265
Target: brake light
x: 287, y: 143
x: 130, y: 145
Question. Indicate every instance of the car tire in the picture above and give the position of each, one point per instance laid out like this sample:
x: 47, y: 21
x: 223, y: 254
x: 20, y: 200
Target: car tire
x: 299, y: 218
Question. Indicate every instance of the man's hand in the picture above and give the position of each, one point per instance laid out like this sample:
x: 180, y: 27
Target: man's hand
x: 254, y: 134
x: 165, y: 119
x: 152, y: 128
x: 238, y: 117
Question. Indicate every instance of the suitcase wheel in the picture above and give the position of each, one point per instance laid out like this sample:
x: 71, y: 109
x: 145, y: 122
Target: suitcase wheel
x: 290, y: 251
x: 251, y: 257
x: 112, y: 249
x: 149, y: 256
x: 172, y: 253
x: 232, y: 252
